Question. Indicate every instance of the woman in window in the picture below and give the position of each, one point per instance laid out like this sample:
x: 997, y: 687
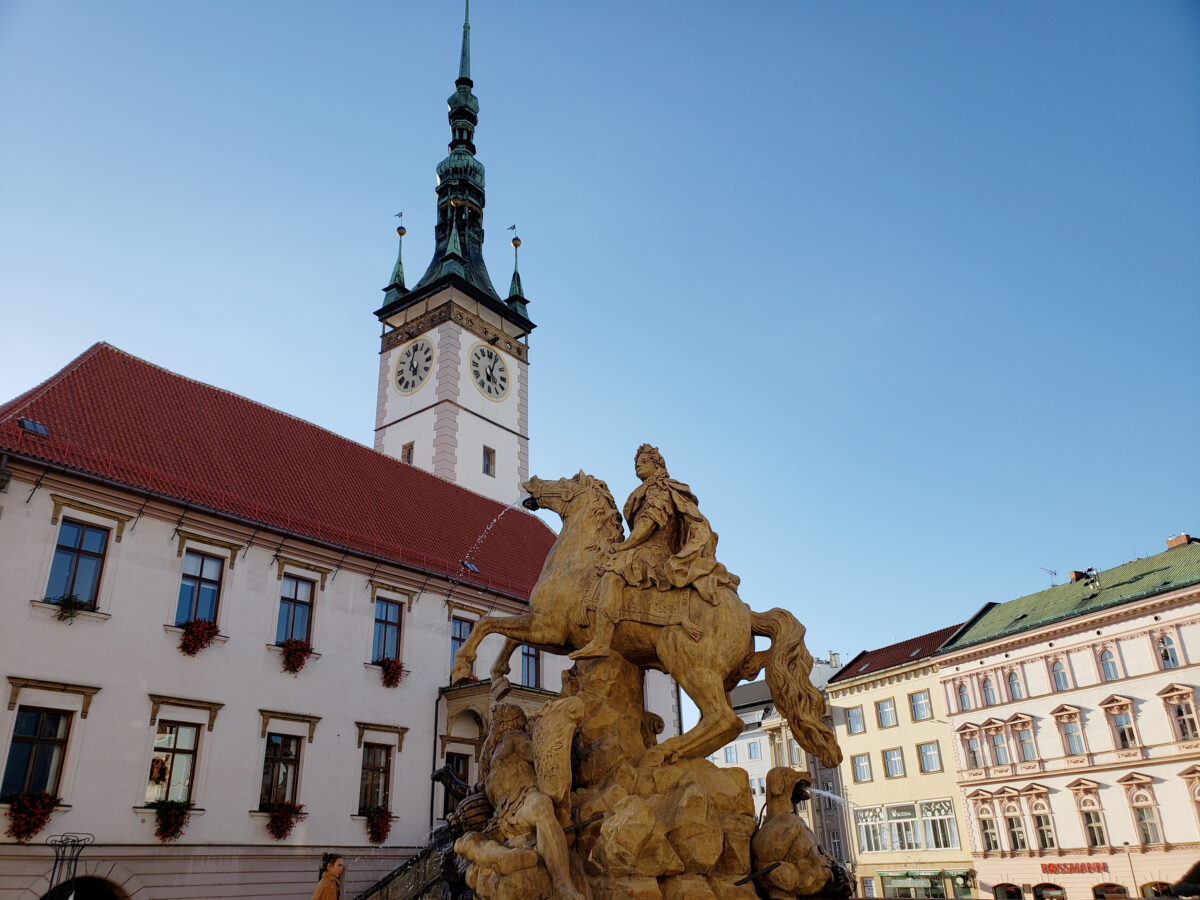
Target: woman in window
x: 329, y: 887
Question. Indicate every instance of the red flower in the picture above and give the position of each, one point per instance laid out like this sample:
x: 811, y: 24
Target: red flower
x: 295, y: 654
x: 379, y: 824
x: 283, y: 817
x: 28, y: 813
x: 197, y: 634
x: 393, y: 670
x: 171, y: 817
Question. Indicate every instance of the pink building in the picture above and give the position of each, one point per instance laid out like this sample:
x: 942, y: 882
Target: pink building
x: 1075, y: 732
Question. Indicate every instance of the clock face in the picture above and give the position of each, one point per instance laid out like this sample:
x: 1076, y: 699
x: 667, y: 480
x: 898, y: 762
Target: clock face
x: 489, y: 372
x: 413, y: 366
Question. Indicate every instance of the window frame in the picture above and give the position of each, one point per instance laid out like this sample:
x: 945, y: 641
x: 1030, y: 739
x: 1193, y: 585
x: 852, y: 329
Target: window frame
x: 937, y: 750
x: 879, y: 708
x: 1059, y: 685
x: 731, y: 754
x: 1107, y: 668
x: 370, y: 772
x: 1014, y: 681
x: 310, y: 604
x: 384, y: 626
x: 912, y: 706
x: 199, y: 580
x: 531, y: 658
x: 173, y: 752
x: 489, y: 461
x: 1165, y: 652
x: 988, y: 692
x: 854, y: 760
x: 275, y: 763
x: 76, y: 552
x: 963, y: 694
x: 862, y: 720
x: 887, y: 773
x: 989, y: 834
x: 52, y: 786
x: 452, y: 759
x: 753, y: 749
x: 1179, y: 702
x: 456, y: 641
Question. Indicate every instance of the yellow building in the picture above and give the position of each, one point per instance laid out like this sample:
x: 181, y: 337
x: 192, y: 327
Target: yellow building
x: 906, y: 817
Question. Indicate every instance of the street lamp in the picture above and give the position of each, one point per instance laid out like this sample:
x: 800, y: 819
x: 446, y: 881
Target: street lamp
x: 1133, y: 877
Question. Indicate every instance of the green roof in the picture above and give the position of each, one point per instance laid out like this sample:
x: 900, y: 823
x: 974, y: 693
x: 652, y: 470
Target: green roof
x: 1176, y: 568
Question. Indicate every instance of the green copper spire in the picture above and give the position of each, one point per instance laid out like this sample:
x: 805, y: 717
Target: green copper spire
x: 464, y: 62
x: 396, y: 289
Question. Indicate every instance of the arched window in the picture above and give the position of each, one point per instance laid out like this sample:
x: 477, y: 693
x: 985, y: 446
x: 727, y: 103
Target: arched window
x: 1156, y: 889
x: 989, y: 693
x: 1006, y: 892
x: 964, y: 698
x: 1108, y: 666
x: 1166, y: 652
x: 1108, y: 891
x: 1047, y: 891
x: 1059, y: 672
x: 1014, y: 687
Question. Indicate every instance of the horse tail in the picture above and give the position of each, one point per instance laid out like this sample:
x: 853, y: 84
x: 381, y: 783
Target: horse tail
x: 789, y: 665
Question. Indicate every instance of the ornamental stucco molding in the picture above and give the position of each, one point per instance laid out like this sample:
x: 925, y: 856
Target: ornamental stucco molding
x: 452, y: 312
x: 16, y: 685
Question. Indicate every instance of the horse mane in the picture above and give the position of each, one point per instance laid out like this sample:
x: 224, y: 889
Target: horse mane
x: 605, y: 511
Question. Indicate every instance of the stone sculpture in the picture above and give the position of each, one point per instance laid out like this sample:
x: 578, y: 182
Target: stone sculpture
x: 800, y: 868
x: 611, y: 812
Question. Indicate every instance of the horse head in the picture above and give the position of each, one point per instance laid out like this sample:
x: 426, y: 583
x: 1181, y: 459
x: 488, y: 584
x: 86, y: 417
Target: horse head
x: 579, y: 493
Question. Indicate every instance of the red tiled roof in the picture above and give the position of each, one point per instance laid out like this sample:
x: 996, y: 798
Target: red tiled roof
x: 123, y: 419
x: 895, y: 654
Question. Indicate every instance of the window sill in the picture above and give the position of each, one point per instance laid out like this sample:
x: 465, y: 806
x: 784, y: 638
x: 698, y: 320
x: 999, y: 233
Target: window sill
x: 52, y: 610
x: 358, y: 817
x: 149, y: 811
x: 177, y: 629
x: 62, y: 807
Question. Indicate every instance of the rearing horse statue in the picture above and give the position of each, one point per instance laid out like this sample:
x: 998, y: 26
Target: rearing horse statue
x: 707, y: 648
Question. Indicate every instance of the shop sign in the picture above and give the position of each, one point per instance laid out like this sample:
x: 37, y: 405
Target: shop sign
x: 898, y: 813
x: 1073, y: 868
x: 909, y: 882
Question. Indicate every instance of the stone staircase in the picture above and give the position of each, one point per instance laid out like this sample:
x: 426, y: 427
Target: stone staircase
x: 416, y: 878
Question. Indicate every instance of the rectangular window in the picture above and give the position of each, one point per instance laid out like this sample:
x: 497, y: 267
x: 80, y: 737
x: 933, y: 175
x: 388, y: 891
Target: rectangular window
x: 281, y: 770
x: 794, y: 752
x: 835, y: 845
x: 406, y: 453
x: 1147, y: 825
x: 991, y: 838
x: 35, y: 757
x: 893, y: 763
x: 373, y: 783
x: 1123, y: 726
x: 1094, y: 825
x: 489, y: 461
x: 531, y: 669
x: 940, y: 830
x: 854, y: 720
x: 930, y: 757
x: 753, y: 750
x: 1184, y: 715
x: 868, y: 885
x: 905, y: 835
x: 1045, y: 832
x: 1016, y: 832
x: 871, y: 837
x: 173, y: 762
x: 974, y: 753
x: 1025, y: 744
x: 78, y: 561
x: 460, y: 630
x: 862, y: 767
x: 999, y: 749
x: 1073, y: 738
x: 385, y: 642
x: 199, y: 589
x: 731, y: 754
x: 762, y: 786
x: 295, y: 610
x: 920, y: 706
x: 885, y: 712
x: 460, y: 765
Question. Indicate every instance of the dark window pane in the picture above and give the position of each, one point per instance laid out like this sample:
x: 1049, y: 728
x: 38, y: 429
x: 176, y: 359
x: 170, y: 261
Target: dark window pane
x: 45, y: 767
x: 14, y: 772
x: 54, y: 725
x: 187, y: 596
x: 390, y: 650
x: 27, y: 723
x: 191, y: 564
x: 69, y: 534
x: 87, y: 576
x: 300, y: 623
x: 207, y: 607
x: 60, y: 574
x: 281, y: 627
x: 94, y: 540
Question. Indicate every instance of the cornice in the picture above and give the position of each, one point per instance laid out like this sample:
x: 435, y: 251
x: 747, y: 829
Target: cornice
x: 449, y: 311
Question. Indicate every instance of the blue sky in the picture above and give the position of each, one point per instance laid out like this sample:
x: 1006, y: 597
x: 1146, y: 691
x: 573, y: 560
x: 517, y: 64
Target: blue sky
x: 908, y: 293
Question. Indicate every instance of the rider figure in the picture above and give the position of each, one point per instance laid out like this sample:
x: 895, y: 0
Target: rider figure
x: 670, y: 545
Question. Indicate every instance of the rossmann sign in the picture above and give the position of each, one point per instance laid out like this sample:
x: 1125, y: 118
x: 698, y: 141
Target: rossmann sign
x: 1073, y: 868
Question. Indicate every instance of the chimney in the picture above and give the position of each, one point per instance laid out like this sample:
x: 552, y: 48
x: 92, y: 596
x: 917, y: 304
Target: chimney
x: 835, y: 659
x: 1179, y: 540
x: 1077, y: 576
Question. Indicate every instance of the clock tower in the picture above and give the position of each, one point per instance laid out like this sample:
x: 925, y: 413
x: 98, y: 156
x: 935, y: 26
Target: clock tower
x: 454, y: 360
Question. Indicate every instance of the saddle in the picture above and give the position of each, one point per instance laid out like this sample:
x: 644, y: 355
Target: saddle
x: 649, y: 607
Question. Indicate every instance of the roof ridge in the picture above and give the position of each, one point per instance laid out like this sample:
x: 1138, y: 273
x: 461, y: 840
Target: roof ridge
x: 8, y: 408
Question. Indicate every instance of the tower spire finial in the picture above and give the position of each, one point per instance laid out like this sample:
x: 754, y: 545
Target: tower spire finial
x: 464, y: 63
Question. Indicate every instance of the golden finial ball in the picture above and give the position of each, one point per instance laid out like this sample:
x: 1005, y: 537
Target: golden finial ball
x: 402, y: 231
x: 516, y: 242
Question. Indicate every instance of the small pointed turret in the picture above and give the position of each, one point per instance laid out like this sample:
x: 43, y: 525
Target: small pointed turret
x: 396, y: 289
x: 516, y: 295
x: 464, y: 60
